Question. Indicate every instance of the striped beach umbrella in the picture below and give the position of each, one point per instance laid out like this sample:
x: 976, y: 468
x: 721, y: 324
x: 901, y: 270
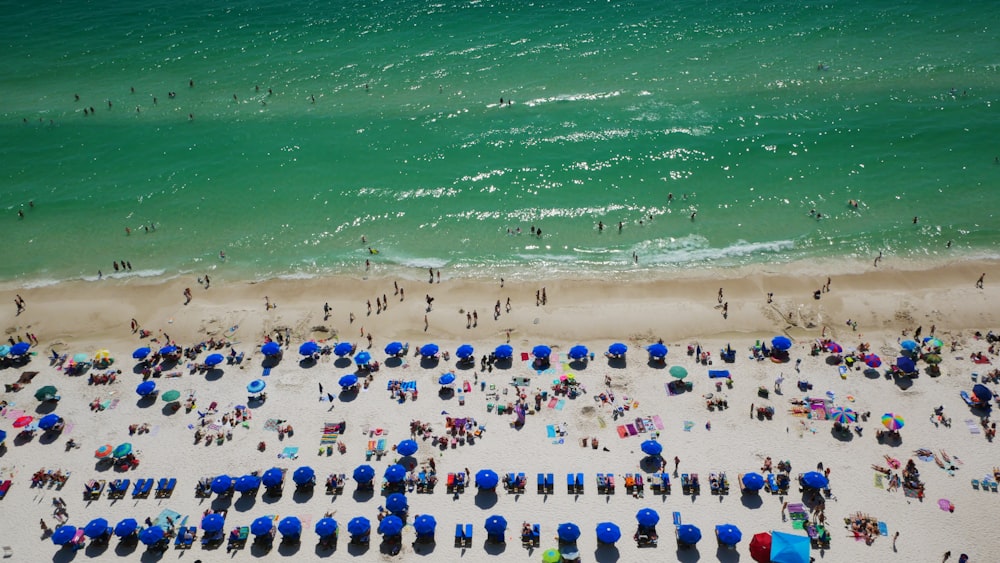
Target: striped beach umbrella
x: 892, y: 421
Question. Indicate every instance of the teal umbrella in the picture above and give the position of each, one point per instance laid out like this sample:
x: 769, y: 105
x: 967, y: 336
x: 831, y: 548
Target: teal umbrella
x: 122, y: 450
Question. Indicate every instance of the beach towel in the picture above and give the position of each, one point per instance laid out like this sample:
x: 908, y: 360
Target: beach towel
x: 161, y: 520
x: 550, y: 431
x: 798, y: 524
x: 601, y: 422
x: 883, y: 529
x: 267, y: 372
x: 677, y: 518
x: 716, y: 373
x: 560, y: 404
x: 271, y: 424
x: 14, y: 414
x: 658, y: 422
x: 113, y: 404
x: 289, y: 453
x: 524, y: 356
x: 552, y: 403
x: 878, y: 481
x: 972, y: 426
x: 688, y: 425
x: 631, y: 429
x: 622, y: 432
x: 910, y: 493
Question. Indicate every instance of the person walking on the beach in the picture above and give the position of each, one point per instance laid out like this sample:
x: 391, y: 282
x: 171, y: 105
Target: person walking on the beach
x: 326, y: 311
x: 677, y: 463
x: 979, y: 282
x: 720, y: 295
x: 187, y: 295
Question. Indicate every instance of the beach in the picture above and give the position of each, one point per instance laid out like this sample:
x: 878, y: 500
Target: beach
x: 685, y: 312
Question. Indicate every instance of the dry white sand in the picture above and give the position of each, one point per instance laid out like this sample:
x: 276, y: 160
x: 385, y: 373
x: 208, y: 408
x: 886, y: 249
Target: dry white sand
x: 84, y: 317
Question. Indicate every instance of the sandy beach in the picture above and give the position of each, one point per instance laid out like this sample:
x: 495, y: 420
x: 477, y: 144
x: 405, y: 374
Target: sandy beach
x: 887, y: 304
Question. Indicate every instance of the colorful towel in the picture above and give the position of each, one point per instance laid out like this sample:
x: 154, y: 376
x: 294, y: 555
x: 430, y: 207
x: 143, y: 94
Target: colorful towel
x: 677, y: 518
x: 658, y: 422
x: 688, y: 425
x: 289, y: 453
x: 552, y: 403
x: 524, y: 356
x: 14, y: 414
x: 631, y: 429
x: 550, y: 431
x: 271, y: 424
x: 113, y: 404
x: 622, y: 432
x: 883, y: 529
x: 560, y: 404
x: 972, y: 426
x: 878, y: 480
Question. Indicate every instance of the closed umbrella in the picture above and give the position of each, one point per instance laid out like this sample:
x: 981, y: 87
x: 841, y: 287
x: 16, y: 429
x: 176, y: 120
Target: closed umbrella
x: 504, y: 352
x: 608, y: 532
x: 781, y: 343
x: 363, y: 358
x: 273, y: 477
x: 541, y: 351
x: 689, y: 534
x: 728, y: 534
x: 63, y: 534
x: 429, y: 350
x: 815, y: 480
x: 308, y: 348
x: 348, y: 380
x: 407, y: 447
x: 326, y: 527
x: 256, y: 386
x: 487, y: 479
x: 678, y: 372
x: 395, y: 473
x: 464, y: 351
x: 393, y: 348
x: 151, y: 535
x: 213, y: 523
x: 359, y: 526
x: 262, y: 525
x: 396, y: 503
x: 96, y: 528
x: 222, y: 484
x: 647, y: 517
x: 568, y: 532
x: 617, y: 349
x: 343, y: 349
x: 214, y: 360
x: 578, y: 352
x: 290, y: 526
x: 364, y: 473
x: 424, y: 524
x: 48, y: 421
x: 126, y: 527
x: 391, y: 525
x: 652, y: 447
x: 303, y: 475
x: 753, y: 481
x: 657, y: 350
x: 141, y: 353
x: 146, y: 388
x: 270, y: 349
x: 46, y: 393
x: 495, y: 525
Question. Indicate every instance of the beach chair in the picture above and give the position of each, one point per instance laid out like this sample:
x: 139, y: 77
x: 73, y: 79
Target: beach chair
x: 975, y: 484
x: 380, y: 448
x: 550, y: 483
x: 118, y: 488
x: 783, y: 482
x: 238, y: 538
x: 772, y: 484
x: 639, y: 487
x: 459, y: 535
x: 541, y: 483
x: 185, y: 537
x: 92, y: 490
x: 460, y: 480
x: 695, y: 484
x: 579, y: 483
x: 468, y: 536
x: 209, y: 540
x: 165, y: 487
x: 370, y: 450
x: 571, y: 483
x: 686, y: 483
x: 142, y: 488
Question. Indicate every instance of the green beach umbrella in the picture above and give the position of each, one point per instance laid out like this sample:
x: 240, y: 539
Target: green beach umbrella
x: 171, y: 395
x: 45, y: 393
x: 122, y: 450
x: 678, y: 372
x: 932, y: 359
x: 551, y: 556
x: 935, y: 343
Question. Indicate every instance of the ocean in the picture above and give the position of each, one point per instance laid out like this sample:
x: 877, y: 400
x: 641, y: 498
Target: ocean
x: 282, y: 133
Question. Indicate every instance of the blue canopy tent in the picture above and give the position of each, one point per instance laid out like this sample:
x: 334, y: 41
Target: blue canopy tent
x: 689, y: 534
x: 394, y: 348
x: 326, y: 527
x: 504, y: 352
x: 568, y: 532
x: 617, y: 349
x: 647, y: 517
x: 214, y: 360
x: 487, y: 479
x: 270, y: 349
x: 364, y: 473
x: 407, y: 447
x: 608, y: 532
x: 428, y: 350
x: 789, y: 548
x: 464, y: 351
x: 304, y: 475
x: 541, y: 351
x: 308, y: 348
x: 391, y: 525
x: 342, y: 349
x: 262, y: 525
x: 658, y: 351
x: 395, y: 473
x: 578, y: 352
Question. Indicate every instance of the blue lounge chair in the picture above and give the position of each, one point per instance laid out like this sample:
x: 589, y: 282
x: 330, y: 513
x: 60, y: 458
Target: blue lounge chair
x: 772, y: 484
x: 579, y: 483
x: 118, y: 488
x: 185, y: 537
x: 570, y: 483
x: 459, y: 536
x: 165, y: 487
x: 142, y: 488
x: 550, y: 483
x: 541, y: 484
x: 468, y: 535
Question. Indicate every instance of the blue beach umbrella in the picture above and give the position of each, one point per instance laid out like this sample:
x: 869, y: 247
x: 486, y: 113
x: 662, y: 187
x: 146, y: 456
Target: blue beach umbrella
x: 391, y: 525
x: 348, y: 380
x: 815, y: 480
x: 270, y: 349
x: 308, y: 348
x: 578, y: 352
x: 541, y: 351
x: 834, y: 348
x: 753, y: 481
x: 303, y: 475
x: 396, y: 503
x: 326, y: 527
x: 63, y: 534
x: 982, y: 393
x: 395, y: 473
x: 781, y: 343
x: 608, y: 532
x: 446, y: 379
x: 20, y: 349
x: 151, y: 535
x: 213, y: 523
x: 789, y: 548
x: 168, y: 349
x: 652, y: 447
x: 290, y: 526
x: 256, y: 386
x: 728, y: 534
x: 3, y: 436
x: 647, y: 517
x: 48, y: 421
x: 262, y: 525
x: 407, y: 447
x: 393, y: 348
x: 909, y: 345
x: 363, y: 358
x: 657, y: 350
x: 617, y: 349
x: 342, y: 349
x: 906, y: 364
x: 222, y: 484
x: 96, y: 528
x: 689, y: 534
x: 424, y: 524
x: 568, y: 532
x: 429, y: 350
x: 214, y: 360
x: 495, y: 525
x: 272, y: 477
x: 146, y: 388
x: 464, y: 351
x: 359, y: 526
x: 504, y: 352
x: 141, y: 353
x: 126, y: 527
x: 487, y: 479
x: 364, y: 473
x: 246, y: 483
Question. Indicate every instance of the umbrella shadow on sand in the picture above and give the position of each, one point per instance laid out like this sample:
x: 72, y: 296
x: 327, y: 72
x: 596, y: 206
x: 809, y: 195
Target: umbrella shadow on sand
x: 245, y: 502
x: 727, y: 554
x: 428, y: 362
x: 146, y: 401
x: 577, y: 365
x: 214, y: 374
x: 657, y: 364
x: 307, y: 362
x: 126, y: 547
x: 650, y: 463
x: 617, y: 362
x: 270, y: 361
x: 606, y: 553
x: 689, y: 555
x: 342, y: 362
x: 393, y: 362
x: 752, y: 501
x: 45, y: 407
x: 486, y: 498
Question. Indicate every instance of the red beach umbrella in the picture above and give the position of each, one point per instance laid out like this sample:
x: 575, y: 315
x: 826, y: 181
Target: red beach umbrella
x: 760, y: 547
x: 23, y: 421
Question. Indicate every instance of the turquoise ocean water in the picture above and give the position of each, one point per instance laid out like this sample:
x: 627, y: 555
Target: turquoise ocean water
x: 383, y: 119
